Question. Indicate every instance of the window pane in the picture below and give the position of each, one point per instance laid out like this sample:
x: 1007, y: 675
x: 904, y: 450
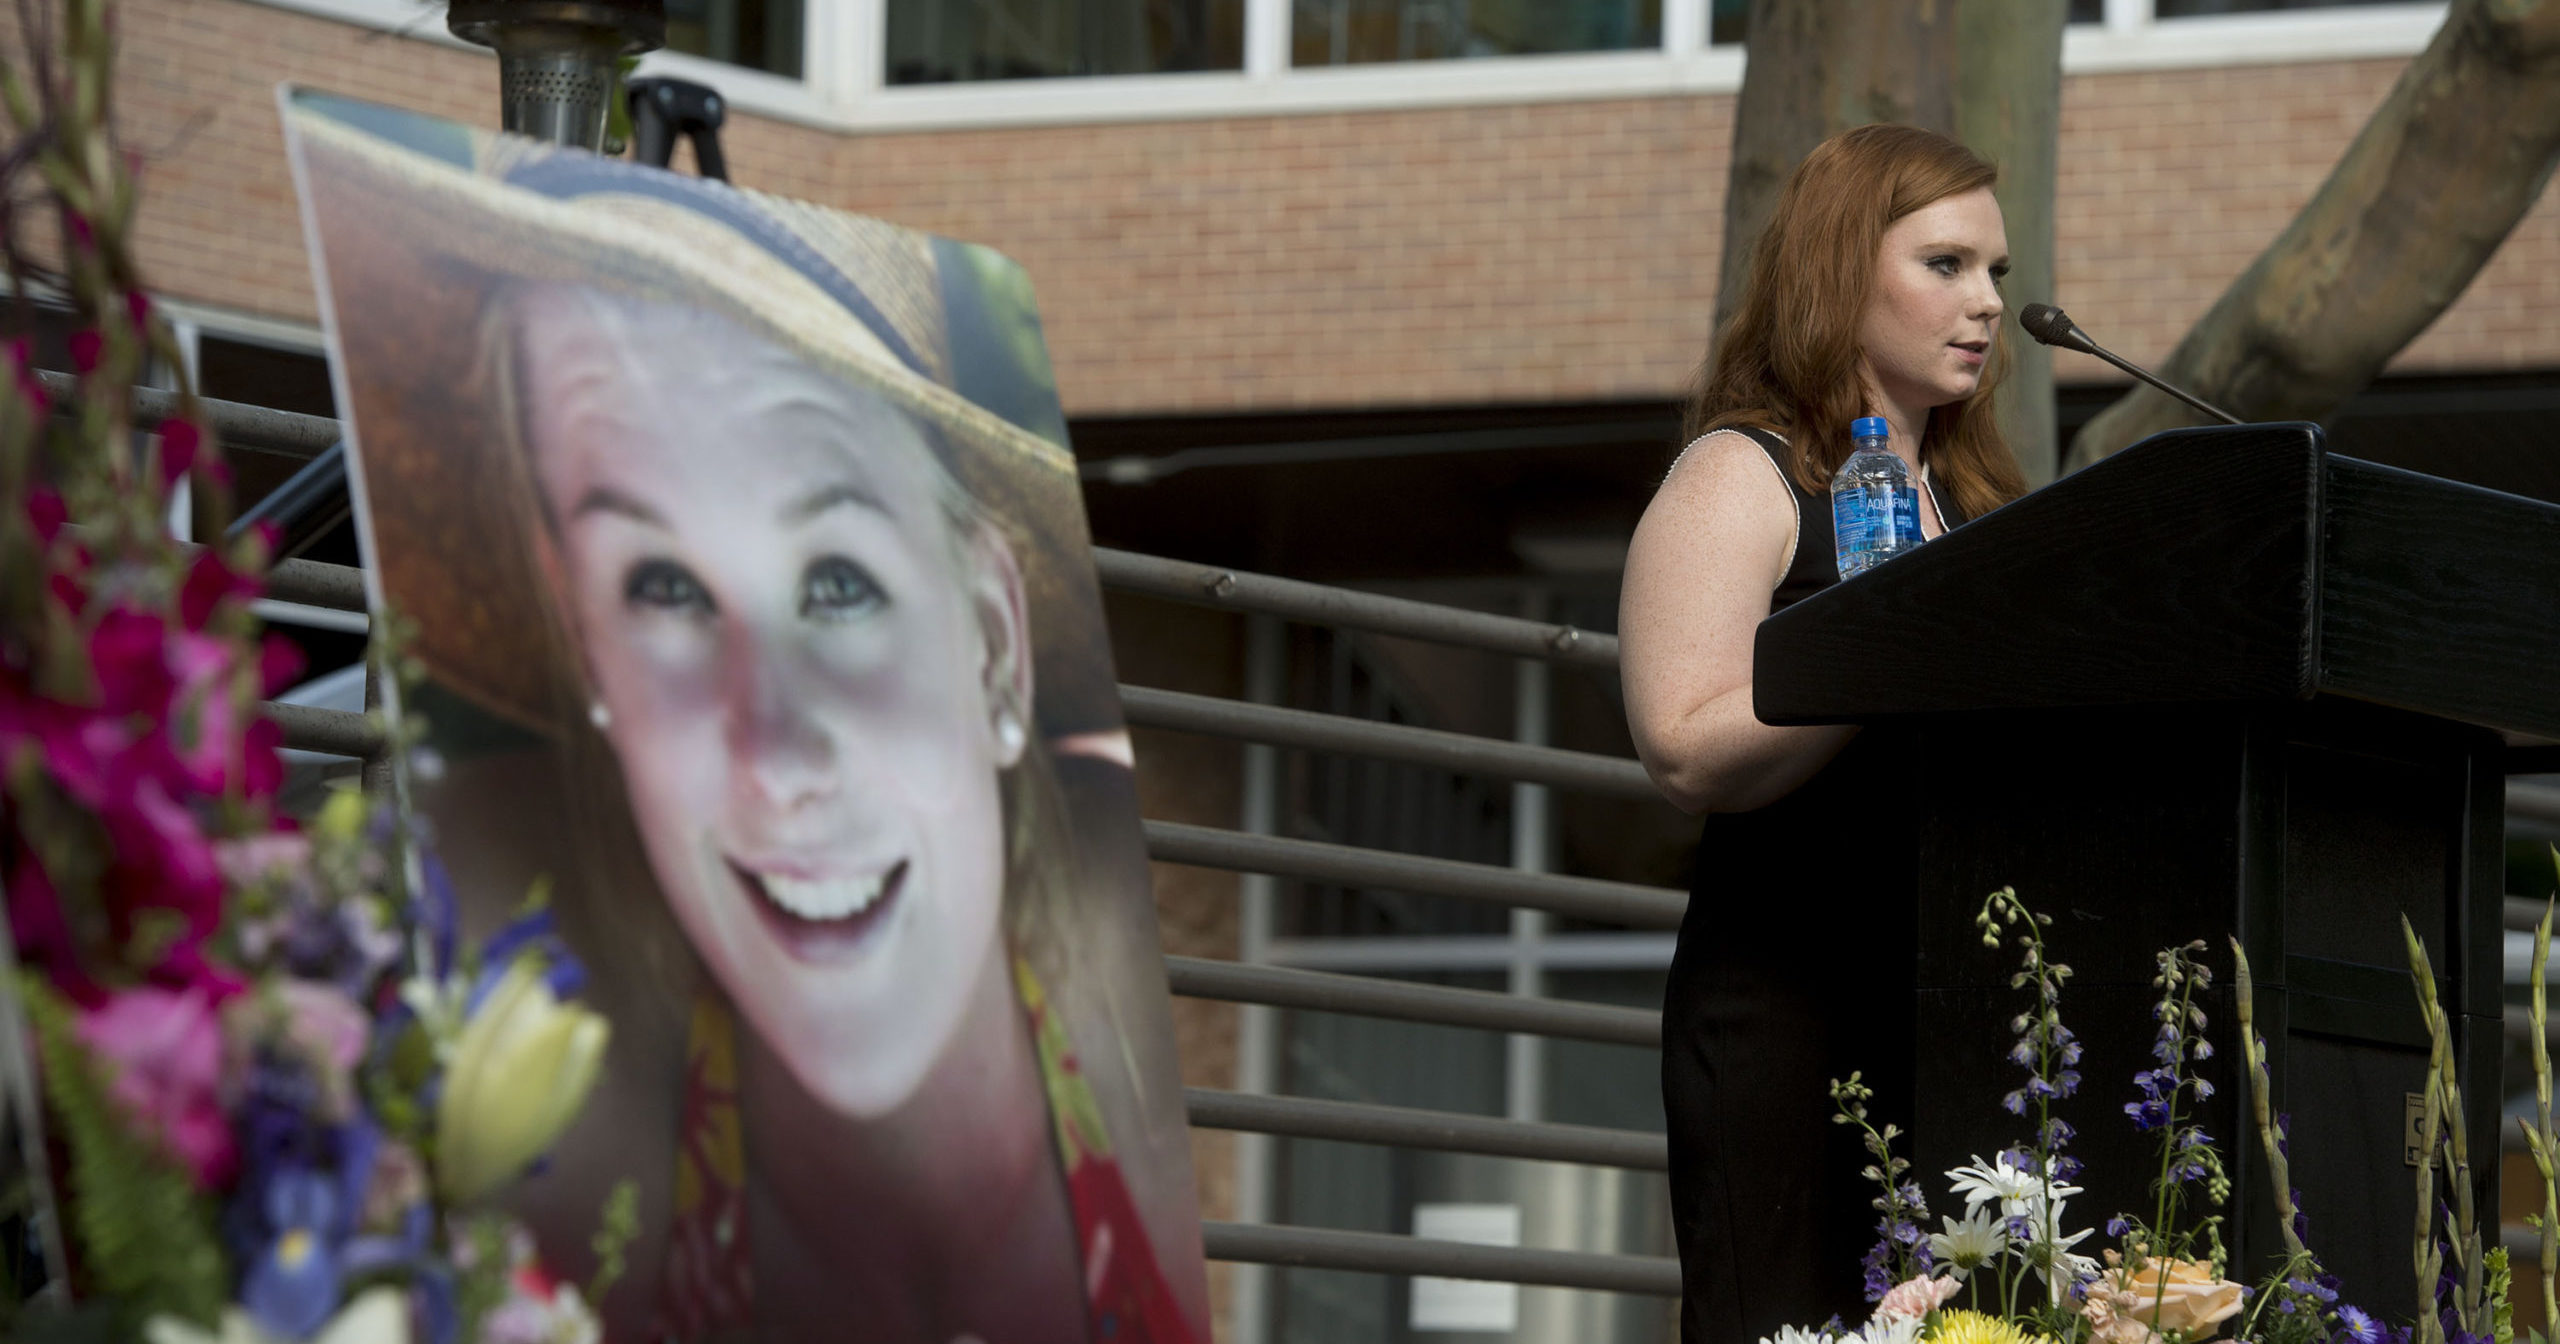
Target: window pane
x: 1726, y: 20
x: 758, y: 34
x: 941, y: 41
x: 2088, y: 11
x: 1355, y: 32
x: 2179, y: 9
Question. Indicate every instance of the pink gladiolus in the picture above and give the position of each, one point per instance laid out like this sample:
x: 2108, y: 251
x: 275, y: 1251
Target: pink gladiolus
x: 279, y: 664
x: 129, y: 653
x: 261, y: 759
x: 164, y: 861
x: 43, y: 934
x: 162, y: 1054
x: 87, y: 349
x: 179, y: 442
x: 1917, y: 1297
x: 46, y: 513
x: 210, y: 582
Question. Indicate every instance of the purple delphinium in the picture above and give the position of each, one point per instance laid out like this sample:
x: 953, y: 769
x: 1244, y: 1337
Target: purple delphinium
x: 2045, y: 1048
x: 2187, y: 1154
x: 1901, y: 1250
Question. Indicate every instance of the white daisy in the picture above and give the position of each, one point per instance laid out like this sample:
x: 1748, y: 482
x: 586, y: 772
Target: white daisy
x: 1968, y: 1245
x: 1891, y: 1330
x: 2010, y: 1180
x: 1789, y: 1334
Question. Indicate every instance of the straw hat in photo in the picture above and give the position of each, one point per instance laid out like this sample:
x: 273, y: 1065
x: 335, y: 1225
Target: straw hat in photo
x: 419, y: 225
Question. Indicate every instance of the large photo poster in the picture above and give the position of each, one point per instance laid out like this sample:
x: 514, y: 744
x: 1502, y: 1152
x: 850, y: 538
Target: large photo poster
x: 741, y: 550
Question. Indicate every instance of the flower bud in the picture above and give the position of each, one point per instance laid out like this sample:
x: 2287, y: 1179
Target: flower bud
x: 519, y: 1074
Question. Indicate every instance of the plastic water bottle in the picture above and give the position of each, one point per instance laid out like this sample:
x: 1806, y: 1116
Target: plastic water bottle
x: 1875, y: 511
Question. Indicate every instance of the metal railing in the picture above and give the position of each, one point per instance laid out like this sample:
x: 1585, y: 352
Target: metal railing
x: 340, y: 588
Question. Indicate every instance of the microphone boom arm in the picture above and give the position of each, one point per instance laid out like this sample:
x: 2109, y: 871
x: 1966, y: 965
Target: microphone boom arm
x: 2052, y: 326
x: 2199, y: 403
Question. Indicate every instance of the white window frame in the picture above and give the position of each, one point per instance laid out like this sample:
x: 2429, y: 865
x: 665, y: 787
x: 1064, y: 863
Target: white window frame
x: 843, y: 55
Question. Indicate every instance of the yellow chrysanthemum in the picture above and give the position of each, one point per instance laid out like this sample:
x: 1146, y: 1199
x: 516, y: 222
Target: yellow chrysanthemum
x: 1974, y: 1327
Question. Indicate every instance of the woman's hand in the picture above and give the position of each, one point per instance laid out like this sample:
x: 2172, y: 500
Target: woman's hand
x: 1713, y: 545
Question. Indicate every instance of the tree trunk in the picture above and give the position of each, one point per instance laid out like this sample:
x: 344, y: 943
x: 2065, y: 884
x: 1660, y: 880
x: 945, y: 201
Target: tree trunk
x: 2008, y: 107
x: 2433, y: 183
x: 1988, y: 72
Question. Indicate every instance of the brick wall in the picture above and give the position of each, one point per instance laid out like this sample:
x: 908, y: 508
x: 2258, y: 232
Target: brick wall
x: 2172, y: 182
x: 1535, y: 253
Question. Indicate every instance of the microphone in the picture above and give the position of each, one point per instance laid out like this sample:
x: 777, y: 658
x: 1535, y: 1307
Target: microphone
x: 2054, y: 327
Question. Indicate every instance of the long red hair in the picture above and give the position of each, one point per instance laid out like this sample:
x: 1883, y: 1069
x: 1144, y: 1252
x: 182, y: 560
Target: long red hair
x: 1787, y: 360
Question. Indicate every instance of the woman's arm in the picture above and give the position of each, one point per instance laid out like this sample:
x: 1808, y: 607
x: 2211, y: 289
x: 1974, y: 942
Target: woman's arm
x: 1711, y: 548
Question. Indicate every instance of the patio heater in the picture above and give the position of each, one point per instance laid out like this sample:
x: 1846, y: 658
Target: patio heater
x: 556, y: 58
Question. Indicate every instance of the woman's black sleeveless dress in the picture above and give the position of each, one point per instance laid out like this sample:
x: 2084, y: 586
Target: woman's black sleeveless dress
x: 1794, y: 968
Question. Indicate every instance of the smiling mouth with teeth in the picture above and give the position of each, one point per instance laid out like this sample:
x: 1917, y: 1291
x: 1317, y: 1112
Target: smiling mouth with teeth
x: 827, y: 917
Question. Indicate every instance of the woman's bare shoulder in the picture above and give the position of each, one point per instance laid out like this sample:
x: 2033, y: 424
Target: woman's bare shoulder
x: 1725, y: 471
x: 1715, y: 452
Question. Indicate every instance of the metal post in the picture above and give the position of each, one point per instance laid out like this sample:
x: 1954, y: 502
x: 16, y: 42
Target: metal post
x: 556, y: 58
x: 1266, y: 665
x: 1531, y: 846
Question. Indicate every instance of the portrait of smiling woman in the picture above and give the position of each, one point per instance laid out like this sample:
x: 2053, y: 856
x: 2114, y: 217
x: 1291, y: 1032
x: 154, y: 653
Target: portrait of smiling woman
x: 779, y: 655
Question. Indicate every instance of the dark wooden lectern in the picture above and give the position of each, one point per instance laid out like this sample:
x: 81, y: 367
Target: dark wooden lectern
x: 2221, y: 684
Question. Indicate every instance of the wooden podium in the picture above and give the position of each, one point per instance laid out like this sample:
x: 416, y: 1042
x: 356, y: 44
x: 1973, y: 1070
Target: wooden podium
x: 2223, y: 683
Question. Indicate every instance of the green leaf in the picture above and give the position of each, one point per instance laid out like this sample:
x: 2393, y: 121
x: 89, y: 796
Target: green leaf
x: 146, y: 1236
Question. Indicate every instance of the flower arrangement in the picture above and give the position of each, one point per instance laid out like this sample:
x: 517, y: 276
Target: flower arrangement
x: 2007, y: 1271
x: 257, y: 1088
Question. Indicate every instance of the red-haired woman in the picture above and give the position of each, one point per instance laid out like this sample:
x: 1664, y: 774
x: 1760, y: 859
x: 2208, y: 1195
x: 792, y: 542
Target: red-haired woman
x: 1873, y: 291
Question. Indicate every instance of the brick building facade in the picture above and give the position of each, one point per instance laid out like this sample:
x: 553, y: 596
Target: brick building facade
x: 1485, y: 253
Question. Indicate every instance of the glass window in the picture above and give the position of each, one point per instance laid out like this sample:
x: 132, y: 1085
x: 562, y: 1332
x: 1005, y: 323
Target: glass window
x: 943, y: 41
x: 2088, y: 11
x: 1357, y: 32
x: 1726, y: 21
x: 758, y: 34
x: 2180, y: 9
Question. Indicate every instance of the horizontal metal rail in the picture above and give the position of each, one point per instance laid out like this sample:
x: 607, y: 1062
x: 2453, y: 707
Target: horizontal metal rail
x: 1443, y: 1131
x: 316, y: 583
x: 1580, y: 771
x: 1574, y: 897
x: 1317, y: 604
x: 1381, y: 1253
x: 236, y: 424
x: 332, y: 732
x: 1403, y: 1001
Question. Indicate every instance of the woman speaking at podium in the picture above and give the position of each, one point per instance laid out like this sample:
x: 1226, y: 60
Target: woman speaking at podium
x: 1874, y: 290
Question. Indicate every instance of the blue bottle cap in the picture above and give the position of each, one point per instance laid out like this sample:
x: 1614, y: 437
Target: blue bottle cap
x: 1868, y: 427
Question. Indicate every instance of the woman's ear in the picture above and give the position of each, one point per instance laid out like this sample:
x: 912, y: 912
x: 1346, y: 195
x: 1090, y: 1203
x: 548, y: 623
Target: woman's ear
x: 1004, y: 626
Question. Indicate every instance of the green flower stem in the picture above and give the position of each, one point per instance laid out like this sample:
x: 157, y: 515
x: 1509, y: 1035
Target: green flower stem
x: 2538, y: 1136
x: 2185, y: 992
x: 2001, y: 908
x: 2425, y: 1258
x: 2465, y: 1232
x: 2261, y: 1104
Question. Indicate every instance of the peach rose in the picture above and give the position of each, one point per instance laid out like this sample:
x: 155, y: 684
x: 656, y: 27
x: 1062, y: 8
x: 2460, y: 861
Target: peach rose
x: 2134, y: 1306
x: 1918, y: 1297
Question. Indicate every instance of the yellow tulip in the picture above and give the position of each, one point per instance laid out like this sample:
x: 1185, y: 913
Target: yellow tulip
x: 518, y: 1075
